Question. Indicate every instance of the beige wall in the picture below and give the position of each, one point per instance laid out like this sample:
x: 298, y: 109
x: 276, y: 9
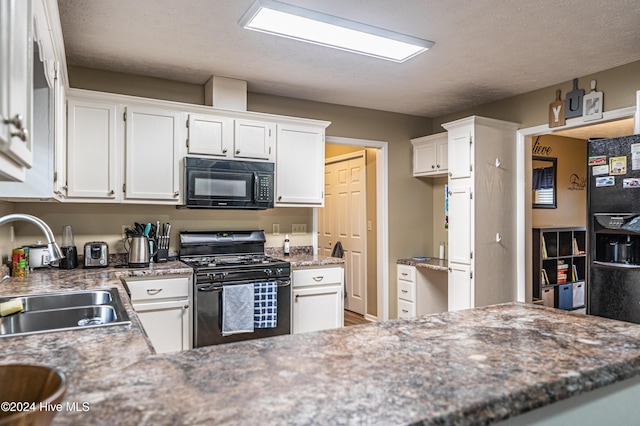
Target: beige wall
x: 619, y: 86
x: 5, y: 232
x: 571, y: 155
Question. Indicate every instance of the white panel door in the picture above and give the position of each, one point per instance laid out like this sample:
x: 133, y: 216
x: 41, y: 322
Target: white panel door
x: 460, y: 287
x: 152, y: 164
x: 210, y: 135
x: 253, y: 139
x: 91, y: 150
x: 344, y: 219
x: 460, y: 215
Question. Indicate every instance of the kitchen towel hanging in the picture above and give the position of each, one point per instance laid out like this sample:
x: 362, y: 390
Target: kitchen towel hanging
x: 338, y: 251
x: 237, y: 309
x: 265, y: 309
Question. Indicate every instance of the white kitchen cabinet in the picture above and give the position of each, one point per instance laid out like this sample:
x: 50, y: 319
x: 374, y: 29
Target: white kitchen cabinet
x: 164, y: 308
x: 210, y: 135
x: 482, y: 214
x: 152, y: 159
x: 317, y: 299
x: 16, y: 86
x: 92, y: 151
x: 421, y: 291
x: 460, y: 287
x: 430, y: 155
x: 300, y: 166
x: 253, y: 140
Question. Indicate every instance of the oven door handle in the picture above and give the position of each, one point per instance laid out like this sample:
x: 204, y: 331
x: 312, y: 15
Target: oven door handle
x: 211, y: 288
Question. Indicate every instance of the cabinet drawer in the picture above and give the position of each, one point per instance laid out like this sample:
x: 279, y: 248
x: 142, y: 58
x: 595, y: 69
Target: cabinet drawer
x: 406, y: 309
x: 406, y: 291
x: 317, y: 276
x: 407, y: 273
x: 165, y: 288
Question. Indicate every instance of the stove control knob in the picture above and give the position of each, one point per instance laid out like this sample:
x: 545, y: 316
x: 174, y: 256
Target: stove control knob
x: 268, y: 272
x: 278, y: 271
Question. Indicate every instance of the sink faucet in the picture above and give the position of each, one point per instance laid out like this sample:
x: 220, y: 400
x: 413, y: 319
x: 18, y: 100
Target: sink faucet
x: 54, y: 251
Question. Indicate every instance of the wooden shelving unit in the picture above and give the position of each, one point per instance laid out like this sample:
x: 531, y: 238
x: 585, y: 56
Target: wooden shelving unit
x: 560, y: 266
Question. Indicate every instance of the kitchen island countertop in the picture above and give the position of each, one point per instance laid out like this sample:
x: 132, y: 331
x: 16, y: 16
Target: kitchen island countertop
x: 475, y: 366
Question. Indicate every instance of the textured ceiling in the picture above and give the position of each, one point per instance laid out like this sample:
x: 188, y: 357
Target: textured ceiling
x: 485, y: 50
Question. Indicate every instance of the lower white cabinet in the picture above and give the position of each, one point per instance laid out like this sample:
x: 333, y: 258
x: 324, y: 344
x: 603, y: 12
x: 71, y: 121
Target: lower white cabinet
x: 421, y: 291
x: 317, y: 299
x: 164, y: 308
x: 461, y: 291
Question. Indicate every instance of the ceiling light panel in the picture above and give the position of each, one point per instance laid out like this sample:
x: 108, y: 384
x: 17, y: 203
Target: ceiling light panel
x: 297, y: 23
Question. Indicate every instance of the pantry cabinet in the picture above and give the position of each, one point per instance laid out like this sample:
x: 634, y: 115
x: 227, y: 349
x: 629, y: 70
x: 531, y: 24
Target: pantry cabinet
x: 300, y: 165
x: 317, y: 299
x: 482, y: 214
x: 163, y: 306
x: 16, y: 89
x: 430, y: 155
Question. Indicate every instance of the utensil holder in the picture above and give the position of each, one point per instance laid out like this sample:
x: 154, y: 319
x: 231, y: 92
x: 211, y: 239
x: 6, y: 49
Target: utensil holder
x: 163, y: 249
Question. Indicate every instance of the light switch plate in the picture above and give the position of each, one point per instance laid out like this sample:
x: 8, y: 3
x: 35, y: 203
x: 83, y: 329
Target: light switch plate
x: 299, y: 228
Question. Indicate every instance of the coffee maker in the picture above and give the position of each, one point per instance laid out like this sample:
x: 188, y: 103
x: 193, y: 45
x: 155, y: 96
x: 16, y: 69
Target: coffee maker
x: 68, y: 249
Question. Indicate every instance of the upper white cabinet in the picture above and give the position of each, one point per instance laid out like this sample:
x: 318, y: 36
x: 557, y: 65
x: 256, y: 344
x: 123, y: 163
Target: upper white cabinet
x: 430, y: 155
x: 152, y: 158
x: 121, y: 153
x: 482, y: 212
x: 253, y: 140
x: 92, y: 151
x: 300, y: 165
x: 16, y: 86
x: 210, y: 135
x: 225, y: 137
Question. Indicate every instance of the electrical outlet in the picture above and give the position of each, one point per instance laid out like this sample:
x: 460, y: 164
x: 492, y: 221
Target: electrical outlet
x: 276, y: 229
x: 369, y: 226
x: 124, y: 231
x: 299, y: 228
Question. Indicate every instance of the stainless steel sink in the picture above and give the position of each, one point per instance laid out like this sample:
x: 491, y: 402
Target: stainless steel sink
x: 43, y: 302
x: 44, y: 313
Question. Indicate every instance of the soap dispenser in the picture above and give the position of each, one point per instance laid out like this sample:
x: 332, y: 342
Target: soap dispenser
x: 286, y: 245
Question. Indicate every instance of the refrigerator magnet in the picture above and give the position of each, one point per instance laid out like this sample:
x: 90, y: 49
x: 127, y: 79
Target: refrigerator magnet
x: 635, y: 156
x: 598, y: 160
x: 631, y: 183
x: 618, y: 165
x: 605, y: 181
x: 600, y: 170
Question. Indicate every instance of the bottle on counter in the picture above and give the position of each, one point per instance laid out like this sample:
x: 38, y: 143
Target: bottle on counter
x: 286, y: 248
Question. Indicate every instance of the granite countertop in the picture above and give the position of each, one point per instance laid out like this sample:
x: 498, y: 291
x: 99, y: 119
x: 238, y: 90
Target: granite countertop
x: 310, y: 260
x: 474, y: 366
x: 428, y: 263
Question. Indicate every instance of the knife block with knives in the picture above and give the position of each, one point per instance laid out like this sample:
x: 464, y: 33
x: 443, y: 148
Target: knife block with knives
x: 162, y: 239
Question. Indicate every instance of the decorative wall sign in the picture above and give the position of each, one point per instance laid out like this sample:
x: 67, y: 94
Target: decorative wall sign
x: 592, y: 104
x: 557, y: 111
x: 539, y: 149
x: 574, y: 101
x: 577, y: 183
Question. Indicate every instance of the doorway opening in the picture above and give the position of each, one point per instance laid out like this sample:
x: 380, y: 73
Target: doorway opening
x: 367, y: 284
x: 614, y: 123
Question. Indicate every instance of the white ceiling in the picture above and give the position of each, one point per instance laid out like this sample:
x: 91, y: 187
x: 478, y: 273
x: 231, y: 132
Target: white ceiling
x: 485, y: 50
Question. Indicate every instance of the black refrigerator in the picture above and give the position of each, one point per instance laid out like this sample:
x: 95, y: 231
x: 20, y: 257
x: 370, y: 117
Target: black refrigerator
x: 613, y: 228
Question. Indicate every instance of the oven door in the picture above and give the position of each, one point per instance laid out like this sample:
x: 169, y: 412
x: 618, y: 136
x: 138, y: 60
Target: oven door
x: 208, y: 315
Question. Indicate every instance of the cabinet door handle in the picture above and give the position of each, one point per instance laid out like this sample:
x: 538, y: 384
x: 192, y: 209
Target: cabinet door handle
x: 112, y: 192
x: 318, y: 279
x: 153, y: 291
x: 237, y: 151
x: 185, y: 307
x: 314, y: 294
x: 177, y: 193
x: 16, y: 121
x: 224, y: 150
x: 433, y: 167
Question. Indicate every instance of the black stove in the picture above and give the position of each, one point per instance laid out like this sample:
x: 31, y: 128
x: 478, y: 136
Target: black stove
x: 226, y: 258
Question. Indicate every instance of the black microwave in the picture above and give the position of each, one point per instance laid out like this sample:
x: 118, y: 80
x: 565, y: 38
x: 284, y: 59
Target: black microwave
x: 213, y: 184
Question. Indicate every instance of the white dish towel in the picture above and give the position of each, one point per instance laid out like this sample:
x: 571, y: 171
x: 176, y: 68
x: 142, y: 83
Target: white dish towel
x: 237, y: 309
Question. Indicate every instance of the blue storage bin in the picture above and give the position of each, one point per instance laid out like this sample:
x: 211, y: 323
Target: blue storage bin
x: 565, y: 296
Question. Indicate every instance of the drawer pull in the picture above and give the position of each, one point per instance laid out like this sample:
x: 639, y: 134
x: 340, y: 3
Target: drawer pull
x: 405, y: 291
x: 318, y: 279
x: 404, y: 274
x: 405, y: 311
x: 153, y: 291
